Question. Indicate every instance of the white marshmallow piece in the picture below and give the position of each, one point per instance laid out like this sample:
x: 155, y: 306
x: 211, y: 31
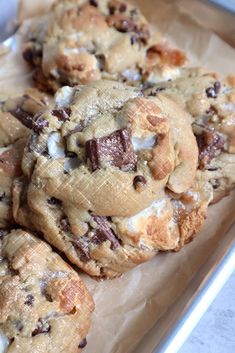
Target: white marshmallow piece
x: 55, y: 146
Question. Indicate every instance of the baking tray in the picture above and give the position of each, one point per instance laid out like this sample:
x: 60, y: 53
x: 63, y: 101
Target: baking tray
x: 186, y: 312
x: 181, y: 318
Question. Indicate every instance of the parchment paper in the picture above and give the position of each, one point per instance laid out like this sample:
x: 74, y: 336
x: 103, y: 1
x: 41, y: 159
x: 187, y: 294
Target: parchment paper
x: 127, y: 307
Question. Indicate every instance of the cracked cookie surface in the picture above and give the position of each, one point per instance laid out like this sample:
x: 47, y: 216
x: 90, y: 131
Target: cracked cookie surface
x: 211, y: 103
x: 102, y: 155
x: 81, y: 41
x: 16, y: 115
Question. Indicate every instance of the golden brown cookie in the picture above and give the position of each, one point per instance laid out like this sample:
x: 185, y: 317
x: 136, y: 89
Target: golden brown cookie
x: 44, y: 305
x: 16, y: 116
x: 102, y: 155
x: 84, y: 40
x: 211, y: 103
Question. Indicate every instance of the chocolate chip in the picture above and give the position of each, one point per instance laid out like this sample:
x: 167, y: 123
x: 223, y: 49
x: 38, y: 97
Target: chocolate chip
x: 104, y: 232
x: 215, y: 183
x: 217, y: 86
x: 28, y: 55
x: 47, y: 296
x: 31, y: 54
x: 70, y: 154
x: 24, y: 117
x: 134, y: 39
x: 3, y: 196
x: 143, y: 34
x: 42, y: 327
x: 29, y: 300
x: 210, y: 92
x: 122, y: 7
x: 153, y: 93
x: 40, y: 124
x: 82, y: 249
x: 83, y: 343
x: 112, y: 9
x: 139, y: 181
x: 115, y: 149
x: 3, y: 233
x: 213, y: 169
x: 79, y: 128
x: 101, y: 61
x: 93, y: 3
x: 54, y: 201
x: 133, y: 12
x: 62, y: 114
x: 122, y: 24
x: 64, y: 224
x: 210, y: 145
x: 19, y: 326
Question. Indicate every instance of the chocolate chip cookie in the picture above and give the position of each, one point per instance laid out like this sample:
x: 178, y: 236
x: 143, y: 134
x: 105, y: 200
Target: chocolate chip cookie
x: 16, y: 116
x: 102, y: 155
x: 82, y: 41
x: 211, y: 103
x: 44, y: 305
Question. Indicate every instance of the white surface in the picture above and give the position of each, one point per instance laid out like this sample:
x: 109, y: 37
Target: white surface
x: 215, y: 333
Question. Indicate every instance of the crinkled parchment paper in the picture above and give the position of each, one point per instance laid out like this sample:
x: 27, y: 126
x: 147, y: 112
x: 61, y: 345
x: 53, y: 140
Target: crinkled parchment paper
x: 128, y: 307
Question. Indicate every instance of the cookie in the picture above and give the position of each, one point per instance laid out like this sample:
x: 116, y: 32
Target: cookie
x: 16, y: 116
x: 41, y: 296
x: 102, y: 155
x: 83, y: 41
x: 211, y: 103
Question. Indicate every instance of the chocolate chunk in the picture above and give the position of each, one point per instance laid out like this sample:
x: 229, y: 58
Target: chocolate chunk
x: 115, y: 149
x: 24, y: 117
x: 210, y: 92
x: 82, y: 249
x: 29, y: 300
x: 92, y: 150
x: 54, y: 201
x: 210, y: 145
x: 64, y: 224
x: 93, y: 3
x: 42, y: 327
x: 217, y: 86
x: 139, y: 181
x: 104, y: 232
x: 83, y: 343
x: 62, y: 114
x: 40, y: 124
